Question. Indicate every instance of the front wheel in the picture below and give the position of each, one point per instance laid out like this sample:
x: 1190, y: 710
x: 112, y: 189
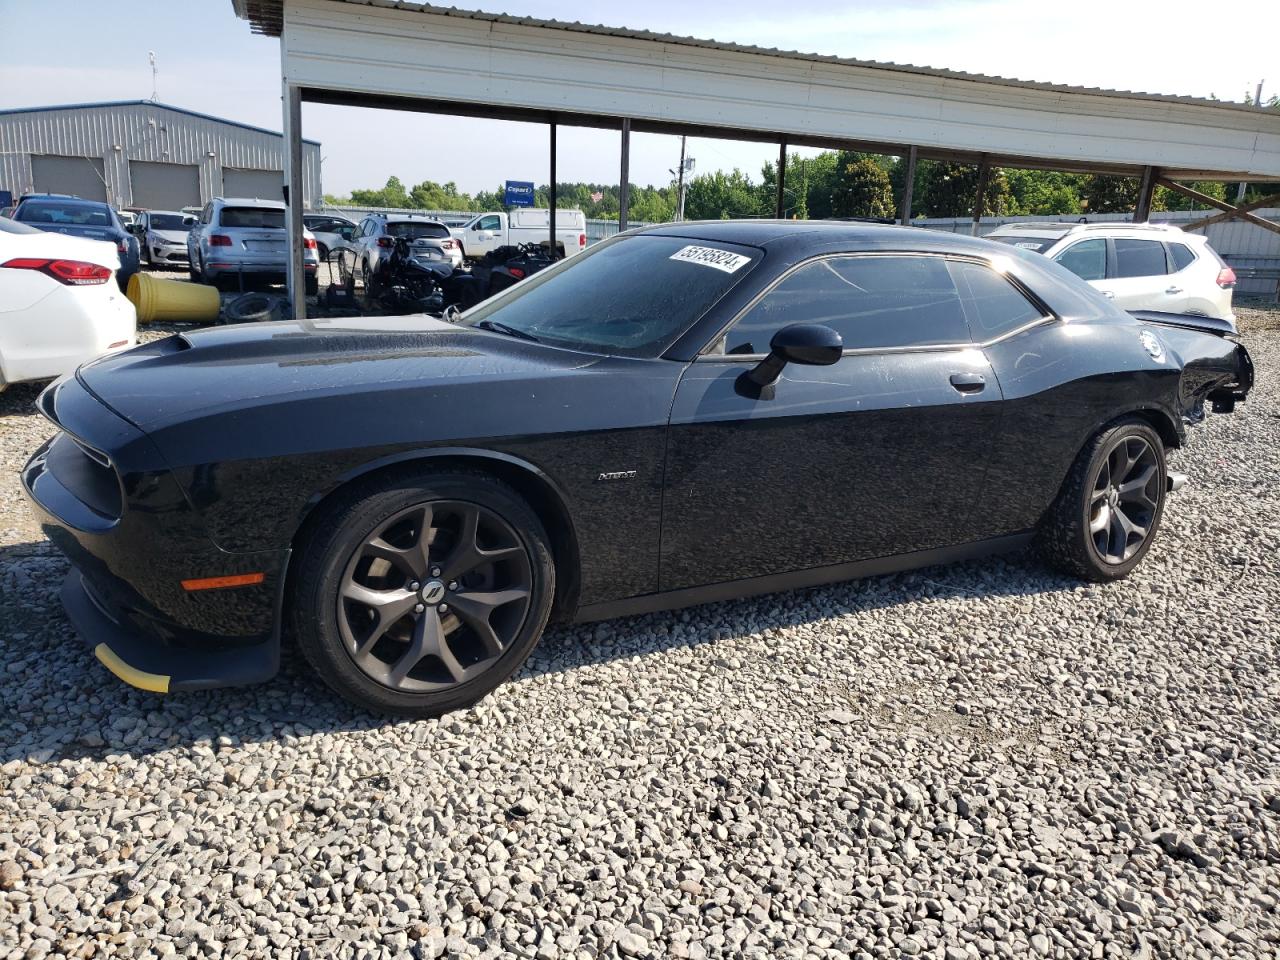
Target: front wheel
x: 1108, y: 511
x: 419, y: 594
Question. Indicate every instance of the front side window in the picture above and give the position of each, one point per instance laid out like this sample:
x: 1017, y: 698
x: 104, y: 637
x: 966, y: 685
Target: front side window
x: 992, y: 303
x: 1086, y: 259
x: 873, y: 302
x: 632, y: 296
x: 489, y: 223
x: 1139, y: 258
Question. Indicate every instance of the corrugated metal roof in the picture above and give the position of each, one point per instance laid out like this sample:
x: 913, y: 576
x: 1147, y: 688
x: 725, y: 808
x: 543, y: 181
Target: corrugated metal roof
x: 267, y: 17
x: 147, y: 103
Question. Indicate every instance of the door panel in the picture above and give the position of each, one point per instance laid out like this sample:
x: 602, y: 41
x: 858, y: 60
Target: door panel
x: 1138, y: 276
x: 873, y: 456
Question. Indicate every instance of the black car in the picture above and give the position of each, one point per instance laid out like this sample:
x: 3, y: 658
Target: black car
x: 682, y: 414
x: 91, y: 219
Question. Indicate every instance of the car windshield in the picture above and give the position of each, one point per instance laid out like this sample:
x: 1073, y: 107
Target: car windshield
x: 260, y: 217
x: 170, y: 221
x: 418, y: 231
x: 74, y: 214
x: 631, y: 296
x: 1034, y: 244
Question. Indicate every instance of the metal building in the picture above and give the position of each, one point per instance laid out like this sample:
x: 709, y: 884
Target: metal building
x: 145, y: 155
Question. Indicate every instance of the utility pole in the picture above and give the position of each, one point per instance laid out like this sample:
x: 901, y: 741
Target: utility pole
x: 686, y: 166
x: 1257, y: 102
x: 155, y: 96
x: 680, y: 183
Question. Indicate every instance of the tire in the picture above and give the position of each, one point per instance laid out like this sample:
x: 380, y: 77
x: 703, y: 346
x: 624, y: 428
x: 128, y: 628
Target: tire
x: 196, y: 275
x: 251, y: 308
x: 358, y: 655
x: 322, y: 252
x: 311, y: 285
x: 1091, y: 530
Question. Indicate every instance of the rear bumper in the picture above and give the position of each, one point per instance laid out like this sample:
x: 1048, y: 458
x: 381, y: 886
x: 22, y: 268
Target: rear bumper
x: 1225, y: 398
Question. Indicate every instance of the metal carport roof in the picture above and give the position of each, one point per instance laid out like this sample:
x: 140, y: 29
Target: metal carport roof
x: 412, y: 56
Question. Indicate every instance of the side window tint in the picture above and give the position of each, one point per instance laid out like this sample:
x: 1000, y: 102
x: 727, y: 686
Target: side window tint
x: 872, y: 302
x: 1086, y: 259
x: 1181, y: 255
x: 489, y: 223
x: 993, y: 305
x: 1139, y: 258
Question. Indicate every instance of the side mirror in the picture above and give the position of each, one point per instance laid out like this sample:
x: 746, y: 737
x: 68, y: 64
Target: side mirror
x: 811, y: 344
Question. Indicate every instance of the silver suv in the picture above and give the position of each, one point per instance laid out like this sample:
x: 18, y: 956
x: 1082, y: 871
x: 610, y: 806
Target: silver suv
x: 429, y: 239
x: 239, y: 240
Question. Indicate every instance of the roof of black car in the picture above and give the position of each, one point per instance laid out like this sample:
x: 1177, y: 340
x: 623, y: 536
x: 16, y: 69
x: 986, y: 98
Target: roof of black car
x: 760, y: 233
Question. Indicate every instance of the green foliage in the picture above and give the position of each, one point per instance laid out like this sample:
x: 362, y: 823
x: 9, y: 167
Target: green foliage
x: 832, y: 184
x: 723, y: 196
x: 1043, y: 192
x: 950, y: 190
x: 862, y: 188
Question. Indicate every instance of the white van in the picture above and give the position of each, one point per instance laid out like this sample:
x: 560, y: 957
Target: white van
x: 488, y: 231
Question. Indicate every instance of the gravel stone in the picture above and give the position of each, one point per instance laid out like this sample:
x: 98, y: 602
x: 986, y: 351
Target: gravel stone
x: 983, y: 760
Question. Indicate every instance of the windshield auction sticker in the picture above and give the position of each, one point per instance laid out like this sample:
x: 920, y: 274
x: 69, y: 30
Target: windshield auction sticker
x: 711, y: 257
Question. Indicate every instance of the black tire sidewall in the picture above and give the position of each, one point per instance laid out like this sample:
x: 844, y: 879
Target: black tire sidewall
x: 341, y: 530
x: 1121, y: 431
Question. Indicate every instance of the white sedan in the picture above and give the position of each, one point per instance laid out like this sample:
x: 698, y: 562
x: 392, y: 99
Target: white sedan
x: 59, y: 303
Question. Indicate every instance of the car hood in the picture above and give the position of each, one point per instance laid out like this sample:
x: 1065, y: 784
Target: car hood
x: 311, y: 368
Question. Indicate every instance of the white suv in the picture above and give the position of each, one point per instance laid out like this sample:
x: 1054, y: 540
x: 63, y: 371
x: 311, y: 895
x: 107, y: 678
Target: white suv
x: 1141, y: 266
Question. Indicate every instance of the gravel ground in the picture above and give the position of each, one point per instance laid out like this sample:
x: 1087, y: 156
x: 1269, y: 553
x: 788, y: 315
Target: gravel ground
x: 978, y: 760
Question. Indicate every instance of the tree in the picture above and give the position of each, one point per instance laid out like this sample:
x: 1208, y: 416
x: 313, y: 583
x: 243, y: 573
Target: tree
x: 862, y: 188
x: 392, y: 195
x: 721, y: 196
x: 430, y: 195
x: 1043, y: 192
x: 951, y: 189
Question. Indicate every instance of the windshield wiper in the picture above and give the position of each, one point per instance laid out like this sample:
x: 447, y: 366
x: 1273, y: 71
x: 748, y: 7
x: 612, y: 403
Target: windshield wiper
x: 498, y: 326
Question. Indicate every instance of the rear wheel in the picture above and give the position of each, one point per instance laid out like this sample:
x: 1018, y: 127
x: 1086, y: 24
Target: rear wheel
x: 420, y: 594
x: 194, y: 272
x: 1108, y: 511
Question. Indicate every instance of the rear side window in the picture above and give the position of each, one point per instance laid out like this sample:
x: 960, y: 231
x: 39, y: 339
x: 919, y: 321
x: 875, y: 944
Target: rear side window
x: 1086, y: 259
x: 1181, y: 256
x: 993, y: 305
x: 872, y: 302
x: 259, y: 217
x: 1139, y: 258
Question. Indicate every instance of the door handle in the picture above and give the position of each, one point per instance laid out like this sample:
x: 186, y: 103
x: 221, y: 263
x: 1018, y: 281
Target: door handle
x: 969, y: 382
x: 1174, y: 290
x: 1109, y: 294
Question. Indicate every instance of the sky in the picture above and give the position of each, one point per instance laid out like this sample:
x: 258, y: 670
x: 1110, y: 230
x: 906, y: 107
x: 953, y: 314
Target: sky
x: 210, y: 62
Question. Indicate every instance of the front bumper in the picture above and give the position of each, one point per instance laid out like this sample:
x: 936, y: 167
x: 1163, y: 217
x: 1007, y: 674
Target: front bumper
x: 143, y: 663
x: 136, y: 546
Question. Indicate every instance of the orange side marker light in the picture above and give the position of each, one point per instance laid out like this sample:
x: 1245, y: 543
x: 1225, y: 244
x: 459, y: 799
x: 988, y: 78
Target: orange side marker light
x: 218, y: 583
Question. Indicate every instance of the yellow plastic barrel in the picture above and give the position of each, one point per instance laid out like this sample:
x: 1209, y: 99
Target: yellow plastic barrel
x: 172, y: 300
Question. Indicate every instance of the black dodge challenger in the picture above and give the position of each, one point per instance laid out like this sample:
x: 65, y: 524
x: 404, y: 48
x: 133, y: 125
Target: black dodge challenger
x: 681, y: 414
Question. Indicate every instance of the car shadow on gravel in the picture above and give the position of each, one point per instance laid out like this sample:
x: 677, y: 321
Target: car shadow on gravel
x: 18, y: 400
x: 65, y: 701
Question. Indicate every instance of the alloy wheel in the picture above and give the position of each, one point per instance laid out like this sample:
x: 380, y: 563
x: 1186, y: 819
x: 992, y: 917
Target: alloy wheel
x: 1124, y: 499
x: 434, y: 596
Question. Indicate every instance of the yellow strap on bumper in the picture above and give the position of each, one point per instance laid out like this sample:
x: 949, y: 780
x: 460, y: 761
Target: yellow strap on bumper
x: 155, y: 682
